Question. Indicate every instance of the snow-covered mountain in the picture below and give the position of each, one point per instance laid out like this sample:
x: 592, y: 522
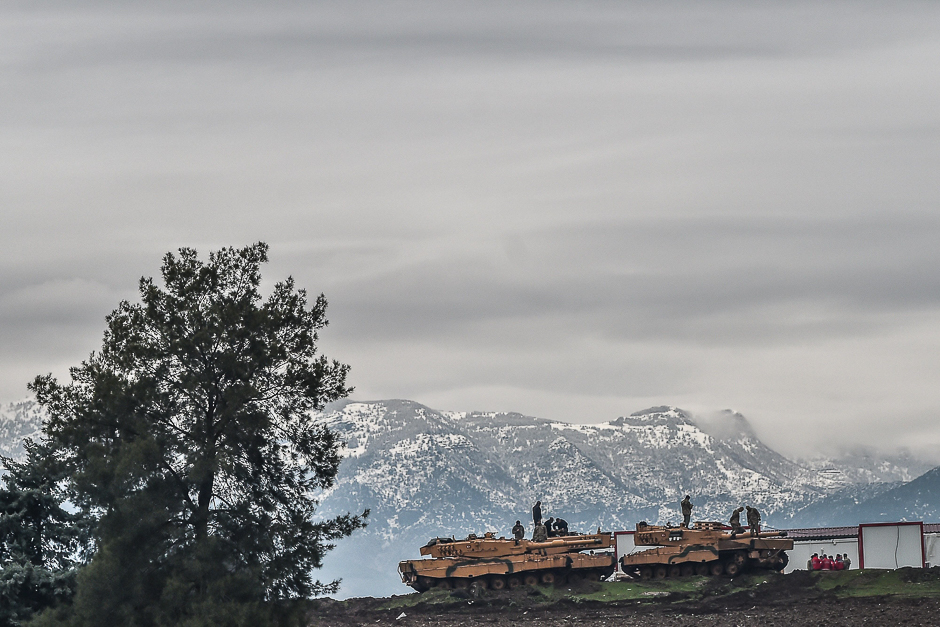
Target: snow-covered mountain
x: 18, y: 421
x: 426, y: 473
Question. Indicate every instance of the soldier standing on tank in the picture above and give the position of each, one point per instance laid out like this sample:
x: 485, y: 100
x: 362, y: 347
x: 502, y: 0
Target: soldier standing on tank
x: 518, y: 531
x: 549, y: 529
x: 686, y: 510
x: 540, y: 534
x: 561, y: 527
x: 735, y: 522
x: 537, y: 513
x: 753, y: 520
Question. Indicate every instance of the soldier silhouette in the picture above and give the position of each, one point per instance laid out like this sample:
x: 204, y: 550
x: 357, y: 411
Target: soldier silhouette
x: 753, y: 520
x: 518, y: 531
x: 735, y: 522
x: 540, y: 534
x: 686, y: 510
x: 537, y: 513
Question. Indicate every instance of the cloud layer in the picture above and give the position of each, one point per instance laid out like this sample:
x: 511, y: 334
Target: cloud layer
x: 567, y: 209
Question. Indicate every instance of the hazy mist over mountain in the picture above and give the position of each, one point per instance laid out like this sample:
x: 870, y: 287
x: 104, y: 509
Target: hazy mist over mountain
x: 559, y: 208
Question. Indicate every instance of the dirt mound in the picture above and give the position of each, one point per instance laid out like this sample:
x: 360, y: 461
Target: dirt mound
x: 907, y: 596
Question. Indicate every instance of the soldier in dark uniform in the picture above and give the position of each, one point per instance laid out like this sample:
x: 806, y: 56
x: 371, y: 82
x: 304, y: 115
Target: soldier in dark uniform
x: 561, y: 527
x: 753, y: 520
x: 686, y: 510
x: 548, y: 527
x: 518, y: 531
x: 537, y: 513
x: 539, y: 535
x: 735, y: 522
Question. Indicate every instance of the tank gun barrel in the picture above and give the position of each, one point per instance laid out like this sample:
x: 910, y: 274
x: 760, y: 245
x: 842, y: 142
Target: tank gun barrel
x: 497, y: 547
x: 573, y: 541
x: 763, y: 534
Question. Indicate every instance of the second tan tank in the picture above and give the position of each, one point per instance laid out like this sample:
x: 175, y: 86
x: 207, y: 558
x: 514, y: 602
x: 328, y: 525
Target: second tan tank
x: 705, y: 549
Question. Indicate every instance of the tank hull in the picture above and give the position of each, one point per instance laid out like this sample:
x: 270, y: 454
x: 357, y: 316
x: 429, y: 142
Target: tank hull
x: 513, y: 563
x: 703, y: 551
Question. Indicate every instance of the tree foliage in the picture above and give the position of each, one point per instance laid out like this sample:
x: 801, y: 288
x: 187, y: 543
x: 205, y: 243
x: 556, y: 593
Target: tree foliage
x: 190, y: 442
x: 41, y: 542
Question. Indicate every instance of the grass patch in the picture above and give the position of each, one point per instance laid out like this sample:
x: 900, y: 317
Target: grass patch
x: 799, y: 585
x: 642, y: 590
x: 905, y: 582
x: 431, y: 597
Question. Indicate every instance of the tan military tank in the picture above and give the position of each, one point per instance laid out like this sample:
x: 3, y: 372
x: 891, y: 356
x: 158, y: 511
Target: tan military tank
x: 498, y: 563
x: 706, y: 548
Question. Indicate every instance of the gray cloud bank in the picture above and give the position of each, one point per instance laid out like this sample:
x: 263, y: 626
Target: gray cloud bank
x: 568, y: 209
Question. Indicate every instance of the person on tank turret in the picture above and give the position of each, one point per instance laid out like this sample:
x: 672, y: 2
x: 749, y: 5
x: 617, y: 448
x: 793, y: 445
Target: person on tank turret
x: 537, y: 513
x: 753, y: 520
x: 735, y: 522
x: 540, y: 534
x: 561, y: 527
x: 686, y: 510
x: 549, y: 528
x: 518, y: 531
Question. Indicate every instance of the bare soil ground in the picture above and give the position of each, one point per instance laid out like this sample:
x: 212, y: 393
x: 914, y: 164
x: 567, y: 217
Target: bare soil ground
x: 854, y: 598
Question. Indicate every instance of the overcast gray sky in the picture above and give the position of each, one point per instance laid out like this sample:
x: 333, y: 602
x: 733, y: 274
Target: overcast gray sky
x: 569, y: 209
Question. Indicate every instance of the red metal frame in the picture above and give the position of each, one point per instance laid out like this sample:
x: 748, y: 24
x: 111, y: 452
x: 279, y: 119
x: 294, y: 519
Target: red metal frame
x: 861, y: 543
x: 620, y: 533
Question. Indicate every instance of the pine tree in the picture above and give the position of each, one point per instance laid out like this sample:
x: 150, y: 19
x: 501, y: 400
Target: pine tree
x: 191, y: 444
x: 41, y: 542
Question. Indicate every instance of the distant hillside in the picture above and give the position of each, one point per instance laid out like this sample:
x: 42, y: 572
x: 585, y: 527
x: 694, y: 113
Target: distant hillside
x: 18, y: 421
x: 918, y: 500
x: 426, y: 473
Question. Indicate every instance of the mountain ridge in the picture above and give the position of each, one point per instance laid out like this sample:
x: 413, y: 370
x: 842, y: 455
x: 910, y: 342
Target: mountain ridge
x: 430, y: 473
x: 424, y: 472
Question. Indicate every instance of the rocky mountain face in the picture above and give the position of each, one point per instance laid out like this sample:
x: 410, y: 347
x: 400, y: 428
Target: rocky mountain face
x: 426, y: 473
x: 916, y: 500
x: 18, y: 421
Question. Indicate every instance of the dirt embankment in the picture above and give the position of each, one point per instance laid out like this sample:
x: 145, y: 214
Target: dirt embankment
x: 911, y: 599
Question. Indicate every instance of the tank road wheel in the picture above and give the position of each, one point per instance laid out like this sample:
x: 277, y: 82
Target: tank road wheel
x: 477, y: 586
x: 740, y: 558
x: 716, y: 568
x: 513, y: 582
x: 530, y: 579
x: 674, y: 570
x: 443, y: 584
x: 646, y: 572
x: 782, y: 561
x: 732, y: 568
x: 497, y: 582
x: 460, y: 583
x: 548, y: 578
x: 687, y: 569
x: 659, y: 571
x: 701, y: 569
